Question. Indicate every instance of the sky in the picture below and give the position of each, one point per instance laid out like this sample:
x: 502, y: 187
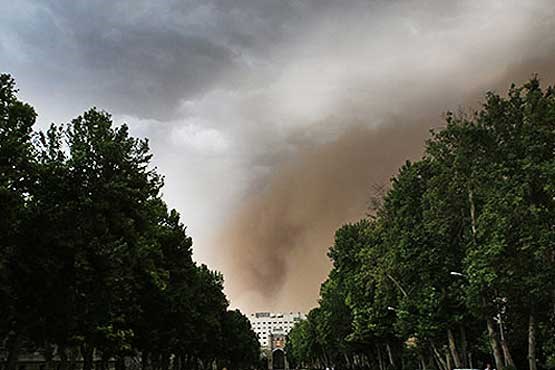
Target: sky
x: 273, y: 121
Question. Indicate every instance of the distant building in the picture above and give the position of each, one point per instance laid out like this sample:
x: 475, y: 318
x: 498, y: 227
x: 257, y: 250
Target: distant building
x: 271, y: 328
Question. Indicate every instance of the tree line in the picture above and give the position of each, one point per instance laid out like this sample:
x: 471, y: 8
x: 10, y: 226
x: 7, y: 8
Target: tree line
x: 94, y: 267
x: 454, y: 266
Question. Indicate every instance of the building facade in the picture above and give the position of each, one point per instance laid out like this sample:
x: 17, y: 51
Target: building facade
x: 269, y: 326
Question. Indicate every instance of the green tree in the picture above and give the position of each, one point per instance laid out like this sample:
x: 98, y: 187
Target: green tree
x: 240, y: 348
x: 458, y: 261
x: 16, y: 177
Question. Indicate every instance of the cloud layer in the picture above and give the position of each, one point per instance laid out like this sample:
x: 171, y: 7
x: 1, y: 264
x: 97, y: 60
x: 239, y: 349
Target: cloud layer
x: 272, y: 119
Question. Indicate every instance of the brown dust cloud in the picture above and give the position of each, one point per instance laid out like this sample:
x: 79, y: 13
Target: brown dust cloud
x: 272, y: 247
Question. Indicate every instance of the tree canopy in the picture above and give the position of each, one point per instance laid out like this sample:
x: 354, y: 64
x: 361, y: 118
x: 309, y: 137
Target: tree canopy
x: 456, y: 267
x: 92, y: 262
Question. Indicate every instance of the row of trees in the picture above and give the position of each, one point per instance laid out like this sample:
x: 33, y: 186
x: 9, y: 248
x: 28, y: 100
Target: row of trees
x: 92, y: 263
x: 456, y: 265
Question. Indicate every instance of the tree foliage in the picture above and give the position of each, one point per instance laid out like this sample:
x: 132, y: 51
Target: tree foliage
x: 457, y: 266
x: 91, y: 259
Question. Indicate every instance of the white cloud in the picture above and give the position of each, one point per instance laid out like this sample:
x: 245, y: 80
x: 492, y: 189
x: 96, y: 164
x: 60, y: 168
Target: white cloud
x: 203, y: 140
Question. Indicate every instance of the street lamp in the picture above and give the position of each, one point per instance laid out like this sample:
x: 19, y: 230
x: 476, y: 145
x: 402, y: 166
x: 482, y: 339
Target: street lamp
x: 455, y: 273
x: 389, y: 308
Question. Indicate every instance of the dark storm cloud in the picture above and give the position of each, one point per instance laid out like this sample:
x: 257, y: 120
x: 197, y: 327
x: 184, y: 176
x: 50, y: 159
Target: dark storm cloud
x: 145, y: 57
x: 143, y: 63
x: 142, y: 57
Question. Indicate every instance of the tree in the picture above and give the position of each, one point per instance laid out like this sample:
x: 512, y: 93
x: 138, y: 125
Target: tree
x: 16, y: 177
x: 458, y: 261
x: 239, y: 345
x: 91, y: 259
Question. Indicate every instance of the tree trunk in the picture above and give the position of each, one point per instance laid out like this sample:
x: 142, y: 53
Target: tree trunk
x: 505, y: 346
x: 14, y: 346
x: 448, y: 360
x: 507, y: 353
x: 495, y: 346
x: 453, y: 348
x: 439, y: 358
x: 347, y: 362
x: 326, y: 359
x: 532, y: 342
x: 390, y: 356
x: 380, y: 358
x: 87, y: 354
x: 422, y: 361
x: 464, y: 347
x: 437, y: 362
x: 440, y: 362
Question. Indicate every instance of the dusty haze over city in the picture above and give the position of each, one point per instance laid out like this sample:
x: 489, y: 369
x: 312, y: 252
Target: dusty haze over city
x: 272, y: 120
